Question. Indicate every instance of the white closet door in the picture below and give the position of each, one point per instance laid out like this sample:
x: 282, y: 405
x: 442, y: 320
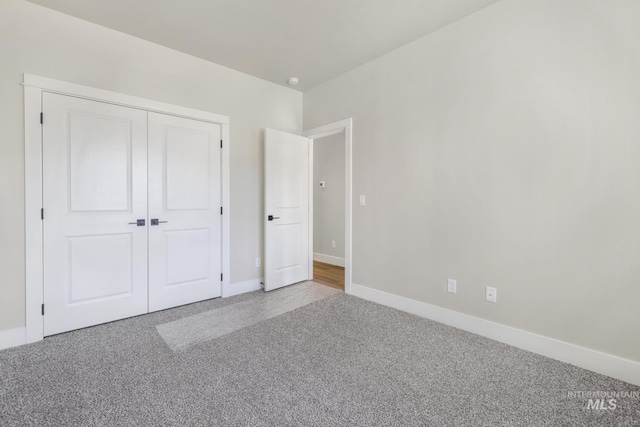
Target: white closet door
x: 94, y: 186
x: 185, y: 200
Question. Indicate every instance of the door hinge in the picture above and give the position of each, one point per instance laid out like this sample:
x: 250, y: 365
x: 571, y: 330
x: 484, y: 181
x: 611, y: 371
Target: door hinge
x: 220, y: 143
x: 41, y: 118
x: 221, y: 277
x: 220, y: 210
x: 43, y: 309
x: 42, y: 213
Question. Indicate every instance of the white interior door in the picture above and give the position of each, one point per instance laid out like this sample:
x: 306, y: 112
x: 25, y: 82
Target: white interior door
x: 95, y: 190
x: 185, y: 200
x: 287, y: 242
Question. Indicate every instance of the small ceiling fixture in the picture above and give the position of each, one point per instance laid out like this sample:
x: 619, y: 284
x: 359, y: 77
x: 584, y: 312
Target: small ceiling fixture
x: 293, y: 81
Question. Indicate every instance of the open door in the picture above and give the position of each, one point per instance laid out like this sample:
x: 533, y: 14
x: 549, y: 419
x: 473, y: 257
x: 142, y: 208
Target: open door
x: 287, y: 192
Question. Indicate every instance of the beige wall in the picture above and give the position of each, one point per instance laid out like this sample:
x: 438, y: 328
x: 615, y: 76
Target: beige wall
x: 39, y: 41
x: 328, y: 202
x: 504, y: 150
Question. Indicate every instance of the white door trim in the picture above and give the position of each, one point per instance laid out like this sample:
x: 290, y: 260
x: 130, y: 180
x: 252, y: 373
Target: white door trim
x: 87, y: 92
x: 12, y: 338
x: 34, y: 86
x: 310, y: 193
x: 34, y: 274
x: 335, y: 128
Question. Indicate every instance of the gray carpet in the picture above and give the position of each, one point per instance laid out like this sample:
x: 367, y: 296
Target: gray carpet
x: 191, y: 330
x: 340, y: 361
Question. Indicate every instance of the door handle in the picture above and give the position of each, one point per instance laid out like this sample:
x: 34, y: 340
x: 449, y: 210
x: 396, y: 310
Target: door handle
x: 271, y: 217
x: 156, y: 221
x: 139, y: 222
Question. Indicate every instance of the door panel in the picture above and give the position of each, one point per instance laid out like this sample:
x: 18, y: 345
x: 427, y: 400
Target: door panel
x: 94, y: 186
x: 188, y: 169
x: 287, y: 252
x: 188, y: 256
x: 185, y: 197
x: 90, y: 278
x: 99, y: 152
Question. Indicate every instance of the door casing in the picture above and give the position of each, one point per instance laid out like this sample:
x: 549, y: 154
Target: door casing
x: 34, y: 86
x: 330, y: 129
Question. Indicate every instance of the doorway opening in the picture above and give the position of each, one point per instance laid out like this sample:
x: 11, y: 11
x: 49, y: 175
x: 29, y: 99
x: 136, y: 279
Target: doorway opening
x: 331, y: 218
x: 289, y: 205
x: 328, y: 210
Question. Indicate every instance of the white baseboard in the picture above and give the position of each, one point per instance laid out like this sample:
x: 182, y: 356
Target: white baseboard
x: 328, y: 259
x: 13, y: 338
x: 593, y: 360
x: 17, y: 336
x: 242, y: 287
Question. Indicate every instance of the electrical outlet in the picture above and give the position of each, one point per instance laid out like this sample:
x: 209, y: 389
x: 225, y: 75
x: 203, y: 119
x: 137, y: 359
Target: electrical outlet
x: 258, y: 262
x: 492, y: 294
x: 452, y: 286
x: 362, y: 201
x: 333, y: 243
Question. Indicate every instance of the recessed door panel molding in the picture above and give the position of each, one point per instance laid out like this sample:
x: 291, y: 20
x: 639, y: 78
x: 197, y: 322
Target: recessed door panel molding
x: 187, y: 175
x: 290, y: 255
x: 94, y: 185
x: 99, y: 267
x: 99, y: 151
x: 188, y: 254
x: 287, y: 241
x: 185, y: 199
x: 287, y: 176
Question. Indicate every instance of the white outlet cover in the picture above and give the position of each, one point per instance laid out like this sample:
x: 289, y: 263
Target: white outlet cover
x: 362, y: 201
x: 452, y: 286
x: 258, y: 262
x: 491, y: 294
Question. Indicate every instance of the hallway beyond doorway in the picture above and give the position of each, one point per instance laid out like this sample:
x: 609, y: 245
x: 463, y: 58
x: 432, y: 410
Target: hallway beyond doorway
x: 329, y: 275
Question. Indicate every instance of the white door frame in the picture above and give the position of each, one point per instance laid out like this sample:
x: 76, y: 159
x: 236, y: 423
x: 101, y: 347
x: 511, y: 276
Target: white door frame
x: 335, y: 128
x: 34, y: 86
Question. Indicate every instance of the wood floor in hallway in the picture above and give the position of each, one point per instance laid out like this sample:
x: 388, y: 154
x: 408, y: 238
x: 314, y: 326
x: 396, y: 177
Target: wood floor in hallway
x: 327, y: 274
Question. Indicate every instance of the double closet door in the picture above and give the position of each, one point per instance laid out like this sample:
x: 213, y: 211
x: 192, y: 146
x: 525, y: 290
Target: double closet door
x: 131, y: 212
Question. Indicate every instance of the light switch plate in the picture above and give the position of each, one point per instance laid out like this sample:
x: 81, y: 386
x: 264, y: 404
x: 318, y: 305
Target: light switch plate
x: 492, y: 294
x: 452, y: 286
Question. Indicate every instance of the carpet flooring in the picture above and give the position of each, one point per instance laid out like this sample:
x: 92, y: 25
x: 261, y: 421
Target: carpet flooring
x: 340, y: 361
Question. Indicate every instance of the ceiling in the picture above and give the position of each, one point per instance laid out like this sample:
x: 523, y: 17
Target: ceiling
x: 314, y: 40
